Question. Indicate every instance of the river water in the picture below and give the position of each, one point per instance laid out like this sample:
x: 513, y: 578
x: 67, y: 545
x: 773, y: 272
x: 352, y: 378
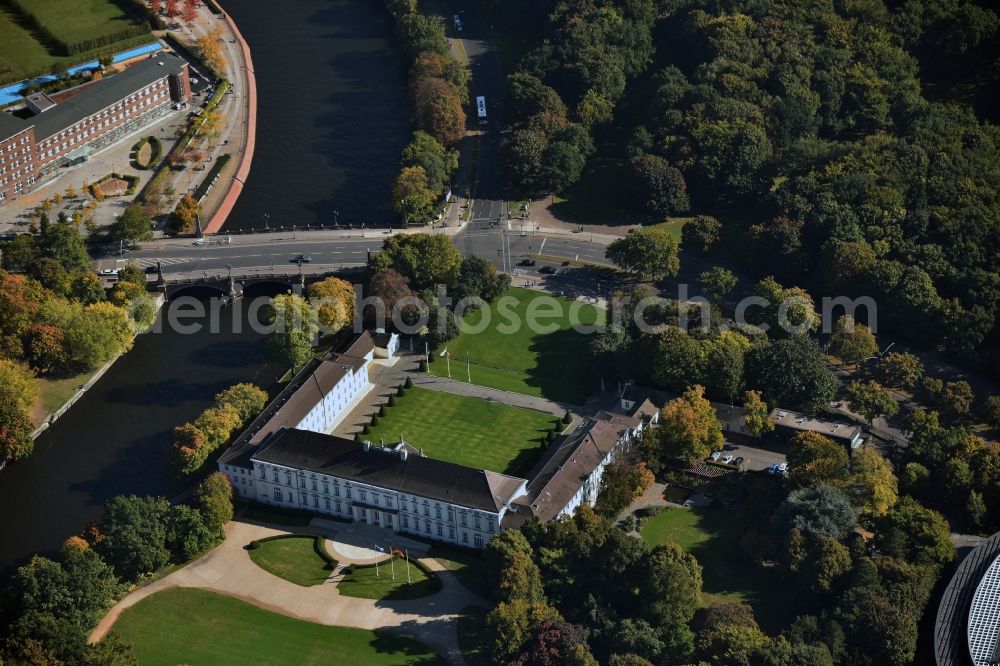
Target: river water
x: 332, y: 120
x: 332, y: 112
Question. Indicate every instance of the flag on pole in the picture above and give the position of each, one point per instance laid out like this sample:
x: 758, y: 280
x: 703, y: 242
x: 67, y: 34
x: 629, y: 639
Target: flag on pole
x: 379, y: 549
x: 407, y: 567
x: 392, y: 566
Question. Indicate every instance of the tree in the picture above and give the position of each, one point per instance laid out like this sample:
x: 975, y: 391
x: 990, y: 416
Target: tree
x: 528, y: 97
x: 509, y: 626
x: 910, y: 532
x: 870, y: 400
x: 190, y: 12
x: 172, y: 11
x: 956, y: 399
x: 557, y: 642
x: 426, y: 259
x: 789, y: 311
x: 389, y: 287
x: 187, y: 535
x: 420, y: 33
x: 215, y: 501
x: 701, y: 234
x: 18, y: 393
x: 439, y: 111
x: 334, y: 302
x: 756, y: 415
x: 717, y: 282
x: 77, y: 591
x: 479, y: 277
x: 991, y: 411
x: 135, y: 535
x: 659, y: 188
x: 185, y: 215
x: 688, y: 429
x: 621, y: 483
x: 650, y: 253
x: 524, y: 151
x: 248, y: 400
x: 132, y: 225
x: 902, y: 370
x: 294, y: 329
x: 210, y: 47
x: 442, y: 325
x: 45, y: 349
x: 63, y: 243
x: 873, y: 482
x: 437, y: 162
x: 820, y: 511
x: 791, y: 373
x: 96, y: 334
x: 412, y: 197
x: 813, y: 459
x: 852, y: 341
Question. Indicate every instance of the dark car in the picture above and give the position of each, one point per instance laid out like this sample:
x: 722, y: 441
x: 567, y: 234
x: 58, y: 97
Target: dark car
x: 548, y: 270
x: 150, y: 270
x: 526, y: 262
x: 302, y: 259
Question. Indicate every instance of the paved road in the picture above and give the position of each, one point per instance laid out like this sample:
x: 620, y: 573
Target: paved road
x: 229, y: 570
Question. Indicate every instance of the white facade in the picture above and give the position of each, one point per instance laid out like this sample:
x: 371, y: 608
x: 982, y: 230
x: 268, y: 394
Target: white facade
x: 401, y: 512
x: 587, y: 494
x: 328, y: 411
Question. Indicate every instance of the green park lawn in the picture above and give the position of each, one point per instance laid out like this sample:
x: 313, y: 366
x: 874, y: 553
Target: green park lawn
x: 23, y: 53
x: 198, y: 627
x: 466, y: 431
x: 388, y: 582
x: 293, y: 559
x: 551, y: 365
x: 712, y: 536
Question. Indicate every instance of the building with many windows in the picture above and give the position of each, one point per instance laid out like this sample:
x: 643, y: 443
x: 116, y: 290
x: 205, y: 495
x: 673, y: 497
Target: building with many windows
x: 287, y: 458
x: 68, y: 127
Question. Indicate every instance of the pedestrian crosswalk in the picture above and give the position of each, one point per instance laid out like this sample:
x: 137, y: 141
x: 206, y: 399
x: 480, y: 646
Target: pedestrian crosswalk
x: 169, y: 261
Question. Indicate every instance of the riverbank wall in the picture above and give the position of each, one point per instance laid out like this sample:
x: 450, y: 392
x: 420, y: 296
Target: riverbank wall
x: 249, y: 132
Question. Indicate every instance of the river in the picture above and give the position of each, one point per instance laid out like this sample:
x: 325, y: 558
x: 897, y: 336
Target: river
x: 332, y: 113
x: 332, y: 120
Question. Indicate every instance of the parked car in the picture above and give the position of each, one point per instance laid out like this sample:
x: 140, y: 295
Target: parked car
x: 526, y: 262
x: 728, y: 458
x: 783, y: 469
x: 150, y: 270
x: 716, y: 455
x: 739, y: 461
x: 773, y: 469
x: 548, y: 270
x: 109, y: 271
x: 301, y: 259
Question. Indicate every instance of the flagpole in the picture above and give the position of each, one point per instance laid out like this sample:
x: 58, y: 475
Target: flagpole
x: 377, y: 575
x: 392, y: 564
x: 407, y: 566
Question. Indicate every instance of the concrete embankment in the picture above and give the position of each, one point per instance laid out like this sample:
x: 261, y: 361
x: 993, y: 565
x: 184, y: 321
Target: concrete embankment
x: 250, y: 130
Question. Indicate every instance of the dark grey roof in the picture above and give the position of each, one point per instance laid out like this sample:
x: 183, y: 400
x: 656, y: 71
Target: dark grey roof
x: 950, y: 639
x: 385, y: 468
x: 11, y: 125
x: 105, y: 92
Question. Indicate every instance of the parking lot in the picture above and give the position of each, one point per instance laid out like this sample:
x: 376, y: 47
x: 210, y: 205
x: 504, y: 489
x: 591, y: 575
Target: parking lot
x: 753, y: 458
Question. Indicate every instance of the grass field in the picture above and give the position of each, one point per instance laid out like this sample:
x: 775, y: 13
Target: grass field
x: 293, y: 559
x: 197, y: 627
x: 363, y: 582
x: 24, y: 53
x: 674, y: 225
x: 53, y: 394
x: 467, y: 431
x: 712, y: 536
x: 551, y: 365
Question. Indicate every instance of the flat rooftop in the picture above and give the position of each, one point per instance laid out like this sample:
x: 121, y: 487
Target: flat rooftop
x: 805, y: 422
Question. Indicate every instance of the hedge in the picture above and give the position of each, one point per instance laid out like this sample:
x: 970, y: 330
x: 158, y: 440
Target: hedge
x: 213, y: 173
x: 133, y: 182
x: 156, y: 149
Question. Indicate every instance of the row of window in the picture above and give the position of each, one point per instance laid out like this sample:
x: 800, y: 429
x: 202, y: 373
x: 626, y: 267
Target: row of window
x: 14, y: 143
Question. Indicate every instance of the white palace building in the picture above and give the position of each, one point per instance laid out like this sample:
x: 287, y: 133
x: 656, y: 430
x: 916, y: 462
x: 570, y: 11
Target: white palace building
x: 286, y: 458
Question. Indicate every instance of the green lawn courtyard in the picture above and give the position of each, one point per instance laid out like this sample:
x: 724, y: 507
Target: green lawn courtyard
x: 218, y: 630
x: 24, y: 53
x: 463, y: 430
x: 293, y: 558
x: 712, y: 536
x: 388, y: 582
x: 516, y: 358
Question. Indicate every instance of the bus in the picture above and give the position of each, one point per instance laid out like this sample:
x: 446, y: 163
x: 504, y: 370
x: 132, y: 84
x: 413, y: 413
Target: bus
x: 481, y: 109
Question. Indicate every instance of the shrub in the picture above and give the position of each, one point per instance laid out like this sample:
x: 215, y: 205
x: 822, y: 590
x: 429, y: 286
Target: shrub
x: 374, y: 420
x: 408, y: 383
x: 365, y: 429
x: 392, y: 401
x: 253, y: 545
x: 381, y: 410
x: 567, y: 418
x: 422, y: 367
x: 400, y: 391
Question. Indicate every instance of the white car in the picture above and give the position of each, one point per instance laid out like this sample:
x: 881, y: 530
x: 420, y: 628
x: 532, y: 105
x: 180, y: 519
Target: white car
x: 716, y: 455
x: 728, y: 458
x: 783, y: 469
x: 458, y: 22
